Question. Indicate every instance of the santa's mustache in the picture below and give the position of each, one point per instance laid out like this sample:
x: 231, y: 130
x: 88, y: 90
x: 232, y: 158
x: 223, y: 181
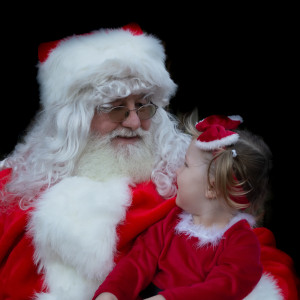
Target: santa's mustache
x: 124, y: 132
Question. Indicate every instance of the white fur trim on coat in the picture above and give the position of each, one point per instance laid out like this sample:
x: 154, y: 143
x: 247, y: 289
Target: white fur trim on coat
x: 74, y: 234
x: 266, y: 289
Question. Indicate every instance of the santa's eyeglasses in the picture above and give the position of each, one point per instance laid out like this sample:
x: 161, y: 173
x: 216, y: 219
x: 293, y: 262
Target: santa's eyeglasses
x: 119, y: 114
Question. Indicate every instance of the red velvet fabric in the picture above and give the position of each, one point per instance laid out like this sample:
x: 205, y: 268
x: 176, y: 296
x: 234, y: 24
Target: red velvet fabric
x: 19, y: 278
x: 278, y: 264
x: 18, y: 274
x: 183, y: 270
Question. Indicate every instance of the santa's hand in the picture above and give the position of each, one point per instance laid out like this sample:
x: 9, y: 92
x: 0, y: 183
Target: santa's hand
x: 157, y: 297
x: 106, y: 296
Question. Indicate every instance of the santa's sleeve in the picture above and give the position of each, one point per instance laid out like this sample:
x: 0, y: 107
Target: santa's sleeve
x: 18, y: 273
x: 278, y: 268
x: 147, y: 208
x: 135, y: 271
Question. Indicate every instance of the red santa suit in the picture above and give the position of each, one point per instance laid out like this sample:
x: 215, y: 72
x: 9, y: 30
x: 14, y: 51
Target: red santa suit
x: 189, y: 261
x: 66, y: 240
x: 66, y: 246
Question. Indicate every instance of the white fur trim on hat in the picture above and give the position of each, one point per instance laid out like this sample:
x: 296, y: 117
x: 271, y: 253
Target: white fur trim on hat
x: 103, y: 55
x: 226, y: 141
x: 236, y: 118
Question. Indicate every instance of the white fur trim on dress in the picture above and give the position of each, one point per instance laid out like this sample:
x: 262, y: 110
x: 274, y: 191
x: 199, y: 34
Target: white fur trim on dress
x: 208, y: 235
x: 74, y: 233
x: 81, y: 61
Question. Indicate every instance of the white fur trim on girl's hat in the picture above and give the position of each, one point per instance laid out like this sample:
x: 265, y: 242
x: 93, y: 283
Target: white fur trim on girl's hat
x: 68, y: 66
x: 216, y: 132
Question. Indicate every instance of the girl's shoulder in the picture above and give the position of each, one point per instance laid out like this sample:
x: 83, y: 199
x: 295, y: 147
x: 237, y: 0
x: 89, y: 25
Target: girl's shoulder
x: 240, y: 229
x: 241, y: 221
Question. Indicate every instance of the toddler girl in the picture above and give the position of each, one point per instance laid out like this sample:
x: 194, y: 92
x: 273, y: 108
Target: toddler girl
x: 205, y: 247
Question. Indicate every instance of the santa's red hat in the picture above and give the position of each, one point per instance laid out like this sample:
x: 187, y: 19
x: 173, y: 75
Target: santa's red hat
x: 216, y: 132
x: 69, y: 65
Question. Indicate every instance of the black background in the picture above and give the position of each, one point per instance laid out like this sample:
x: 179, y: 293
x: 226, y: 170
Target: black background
x: 228, y: 60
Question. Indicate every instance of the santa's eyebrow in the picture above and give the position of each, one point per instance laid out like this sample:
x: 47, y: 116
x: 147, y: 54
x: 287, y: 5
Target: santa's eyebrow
x: 120, y: 100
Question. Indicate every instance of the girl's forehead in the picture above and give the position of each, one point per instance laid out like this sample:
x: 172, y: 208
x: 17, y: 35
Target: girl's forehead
x: 196, y: 154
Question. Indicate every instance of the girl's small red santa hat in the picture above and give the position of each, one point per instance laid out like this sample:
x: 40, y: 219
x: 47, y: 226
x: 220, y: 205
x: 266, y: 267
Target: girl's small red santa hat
x: 216, y: 132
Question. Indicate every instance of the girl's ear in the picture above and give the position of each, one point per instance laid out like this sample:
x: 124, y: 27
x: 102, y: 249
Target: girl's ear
x: 210, y: 191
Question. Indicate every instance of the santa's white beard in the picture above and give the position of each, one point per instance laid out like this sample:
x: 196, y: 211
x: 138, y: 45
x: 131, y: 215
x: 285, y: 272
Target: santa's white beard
x: 102, y: 161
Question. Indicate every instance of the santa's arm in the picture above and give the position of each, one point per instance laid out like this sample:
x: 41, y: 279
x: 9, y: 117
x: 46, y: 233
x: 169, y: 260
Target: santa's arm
x: 106, y: 296
x: 280, y: 275
x: 19, y: 278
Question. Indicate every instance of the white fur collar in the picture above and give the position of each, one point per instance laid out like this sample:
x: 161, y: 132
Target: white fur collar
x: 74, y: 233
x: 210, y: 234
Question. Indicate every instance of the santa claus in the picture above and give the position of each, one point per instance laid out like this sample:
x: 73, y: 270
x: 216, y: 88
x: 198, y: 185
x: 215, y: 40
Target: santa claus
x: 97, y: 168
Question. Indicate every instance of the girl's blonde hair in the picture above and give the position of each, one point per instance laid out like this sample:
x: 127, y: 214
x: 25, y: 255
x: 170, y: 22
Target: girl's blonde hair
x: 241, y: 169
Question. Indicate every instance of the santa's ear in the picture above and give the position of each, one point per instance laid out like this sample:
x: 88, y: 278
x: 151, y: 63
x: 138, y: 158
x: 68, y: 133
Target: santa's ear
x: 210, y: 191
